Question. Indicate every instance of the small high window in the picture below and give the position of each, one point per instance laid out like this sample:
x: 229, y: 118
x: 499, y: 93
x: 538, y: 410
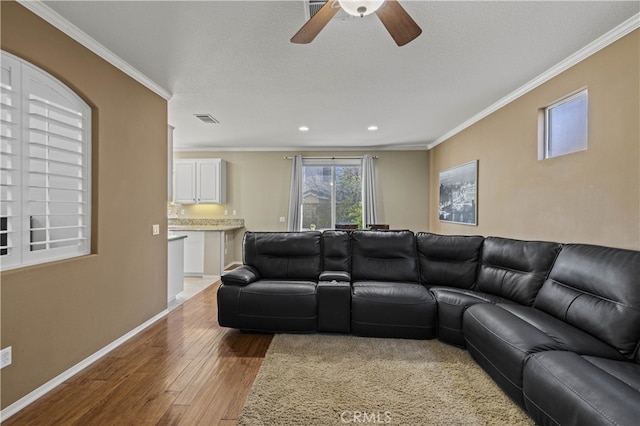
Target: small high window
x: 564, y: 126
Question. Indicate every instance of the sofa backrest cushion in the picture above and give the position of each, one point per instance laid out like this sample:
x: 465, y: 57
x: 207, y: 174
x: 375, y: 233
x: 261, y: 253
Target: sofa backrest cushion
x: 336, y: 251
x: 515, y: 269
x: 384, y: 256
x: 596, y: 289
x: 284, y: 255
x: 448, y: 260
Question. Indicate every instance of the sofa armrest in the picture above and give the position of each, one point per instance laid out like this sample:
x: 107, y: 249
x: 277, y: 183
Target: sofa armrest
x: 335, y: 275
x: 242, y: 275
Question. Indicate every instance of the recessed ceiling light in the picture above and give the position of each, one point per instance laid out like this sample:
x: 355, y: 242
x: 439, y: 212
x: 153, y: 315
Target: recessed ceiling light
x: 303, y: 128
x: 372, y: 128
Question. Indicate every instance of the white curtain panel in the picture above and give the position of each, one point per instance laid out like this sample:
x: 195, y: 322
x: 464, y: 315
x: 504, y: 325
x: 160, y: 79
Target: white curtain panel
x: 295, y: 196
x: 369, y: 215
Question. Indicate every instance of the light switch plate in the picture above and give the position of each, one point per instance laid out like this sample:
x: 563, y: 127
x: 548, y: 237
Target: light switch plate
x: 156, y: 229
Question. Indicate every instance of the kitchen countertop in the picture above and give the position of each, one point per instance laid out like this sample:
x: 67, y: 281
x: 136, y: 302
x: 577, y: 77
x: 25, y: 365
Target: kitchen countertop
x: 218, y: 228
x: 215, y: 225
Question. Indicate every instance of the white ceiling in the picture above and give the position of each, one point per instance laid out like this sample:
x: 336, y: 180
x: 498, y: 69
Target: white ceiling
x: 233, y: 60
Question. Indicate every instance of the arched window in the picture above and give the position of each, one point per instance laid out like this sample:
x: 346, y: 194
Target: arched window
x: 45, y: 159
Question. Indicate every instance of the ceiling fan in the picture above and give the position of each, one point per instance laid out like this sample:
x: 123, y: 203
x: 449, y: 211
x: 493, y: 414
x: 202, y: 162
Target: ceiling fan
x: 396, y: 20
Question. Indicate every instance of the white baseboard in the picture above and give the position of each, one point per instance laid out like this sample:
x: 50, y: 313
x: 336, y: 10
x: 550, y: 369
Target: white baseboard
x: 51, y: 384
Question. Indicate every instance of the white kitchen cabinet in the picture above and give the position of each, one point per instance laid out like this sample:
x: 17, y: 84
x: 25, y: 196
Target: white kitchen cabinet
x: 200, y: 181
x: 184, y: 191
x: 175, y: 267
x: 203, y: 253
x: 194, y: 253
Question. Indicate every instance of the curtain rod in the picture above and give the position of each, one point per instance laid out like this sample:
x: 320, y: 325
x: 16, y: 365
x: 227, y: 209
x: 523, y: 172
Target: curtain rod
x: 375, y: 157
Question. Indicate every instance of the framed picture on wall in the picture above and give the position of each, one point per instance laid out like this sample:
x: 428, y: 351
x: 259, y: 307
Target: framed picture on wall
x: 458, y: 200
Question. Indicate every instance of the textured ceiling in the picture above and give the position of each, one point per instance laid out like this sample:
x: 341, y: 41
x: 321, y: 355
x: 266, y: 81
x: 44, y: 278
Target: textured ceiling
x: 233, y: 60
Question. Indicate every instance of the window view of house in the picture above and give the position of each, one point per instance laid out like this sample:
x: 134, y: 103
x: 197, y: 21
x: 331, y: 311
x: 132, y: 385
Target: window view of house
x: 331, y: 194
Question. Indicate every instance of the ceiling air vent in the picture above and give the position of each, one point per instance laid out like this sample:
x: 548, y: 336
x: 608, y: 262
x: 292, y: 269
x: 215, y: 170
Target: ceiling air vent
x: 207, y: 118
x: 314, y: 6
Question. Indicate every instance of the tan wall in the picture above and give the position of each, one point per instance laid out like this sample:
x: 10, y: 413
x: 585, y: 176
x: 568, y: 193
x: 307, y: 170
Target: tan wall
x: 56, y: 314
x: 258, y: 189
x: 591, y: 196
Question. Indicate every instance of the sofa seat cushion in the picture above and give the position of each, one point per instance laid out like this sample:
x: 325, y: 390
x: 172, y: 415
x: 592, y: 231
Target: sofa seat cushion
x: 626, y: 372
x: 566, y: 336
x: 270, y: 306
x: 392, y: 309
x: 501, y: 337
x: 452, y: 302
x: 569, y: 389
x: 394, y: 293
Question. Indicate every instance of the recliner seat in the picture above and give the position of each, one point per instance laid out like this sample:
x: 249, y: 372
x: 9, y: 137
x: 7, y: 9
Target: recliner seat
x: 387, y: 297
x: 276, y: 288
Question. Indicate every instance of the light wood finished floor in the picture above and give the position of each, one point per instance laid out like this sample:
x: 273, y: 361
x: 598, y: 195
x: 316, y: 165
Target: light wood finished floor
x: 183, y: 370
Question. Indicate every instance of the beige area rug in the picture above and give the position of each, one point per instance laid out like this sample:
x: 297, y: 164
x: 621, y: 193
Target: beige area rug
x: 338, y: 380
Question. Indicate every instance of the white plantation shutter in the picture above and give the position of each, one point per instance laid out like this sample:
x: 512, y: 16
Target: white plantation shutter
x: 55, y: 170
x: 10, y: 158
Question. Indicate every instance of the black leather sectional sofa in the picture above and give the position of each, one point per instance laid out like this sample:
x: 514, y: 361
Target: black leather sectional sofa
x: 557, y: 326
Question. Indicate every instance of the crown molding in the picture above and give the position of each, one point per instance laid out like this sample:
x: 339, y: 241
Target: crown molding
x: 612, y: 36
x: 58, y: 21
x: 209, y: 148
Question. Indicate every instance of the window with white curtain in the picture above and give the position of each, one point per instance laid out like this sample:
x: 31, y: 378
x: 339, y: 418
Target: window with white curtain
x: 45, y: 156
x: 331, y: 193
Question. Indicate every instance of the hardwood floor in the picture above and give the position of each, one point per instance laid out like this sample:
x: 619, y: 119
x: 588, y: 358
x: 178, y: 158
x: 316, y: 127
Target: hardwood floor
x: 183, y: 370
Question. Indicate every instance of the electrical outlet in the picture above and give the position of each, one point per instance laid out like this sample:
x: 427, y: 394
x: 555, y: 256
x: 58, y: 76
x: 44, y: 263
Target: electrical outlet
x: 5, y: 357
x: 282, y: 219
x: 156, y: 230
x: 226, y: 212
x: 235, y: 212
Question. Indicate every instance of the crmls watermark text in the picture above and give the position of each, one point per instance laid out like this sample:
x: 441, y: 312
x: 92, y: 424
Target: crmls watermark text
x: 379, y: 417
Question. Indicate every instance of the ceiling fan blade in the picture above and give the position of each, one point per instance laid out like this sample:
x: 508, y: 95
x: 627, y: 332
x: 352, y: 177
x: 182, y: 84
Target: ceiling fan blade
x: 312, y: 28
x: 397, y: 21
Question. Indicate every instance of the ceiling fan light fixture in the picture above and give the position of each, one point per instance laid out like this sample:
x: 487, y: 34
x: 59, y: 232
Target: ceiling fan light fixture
x: 360, y: 7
